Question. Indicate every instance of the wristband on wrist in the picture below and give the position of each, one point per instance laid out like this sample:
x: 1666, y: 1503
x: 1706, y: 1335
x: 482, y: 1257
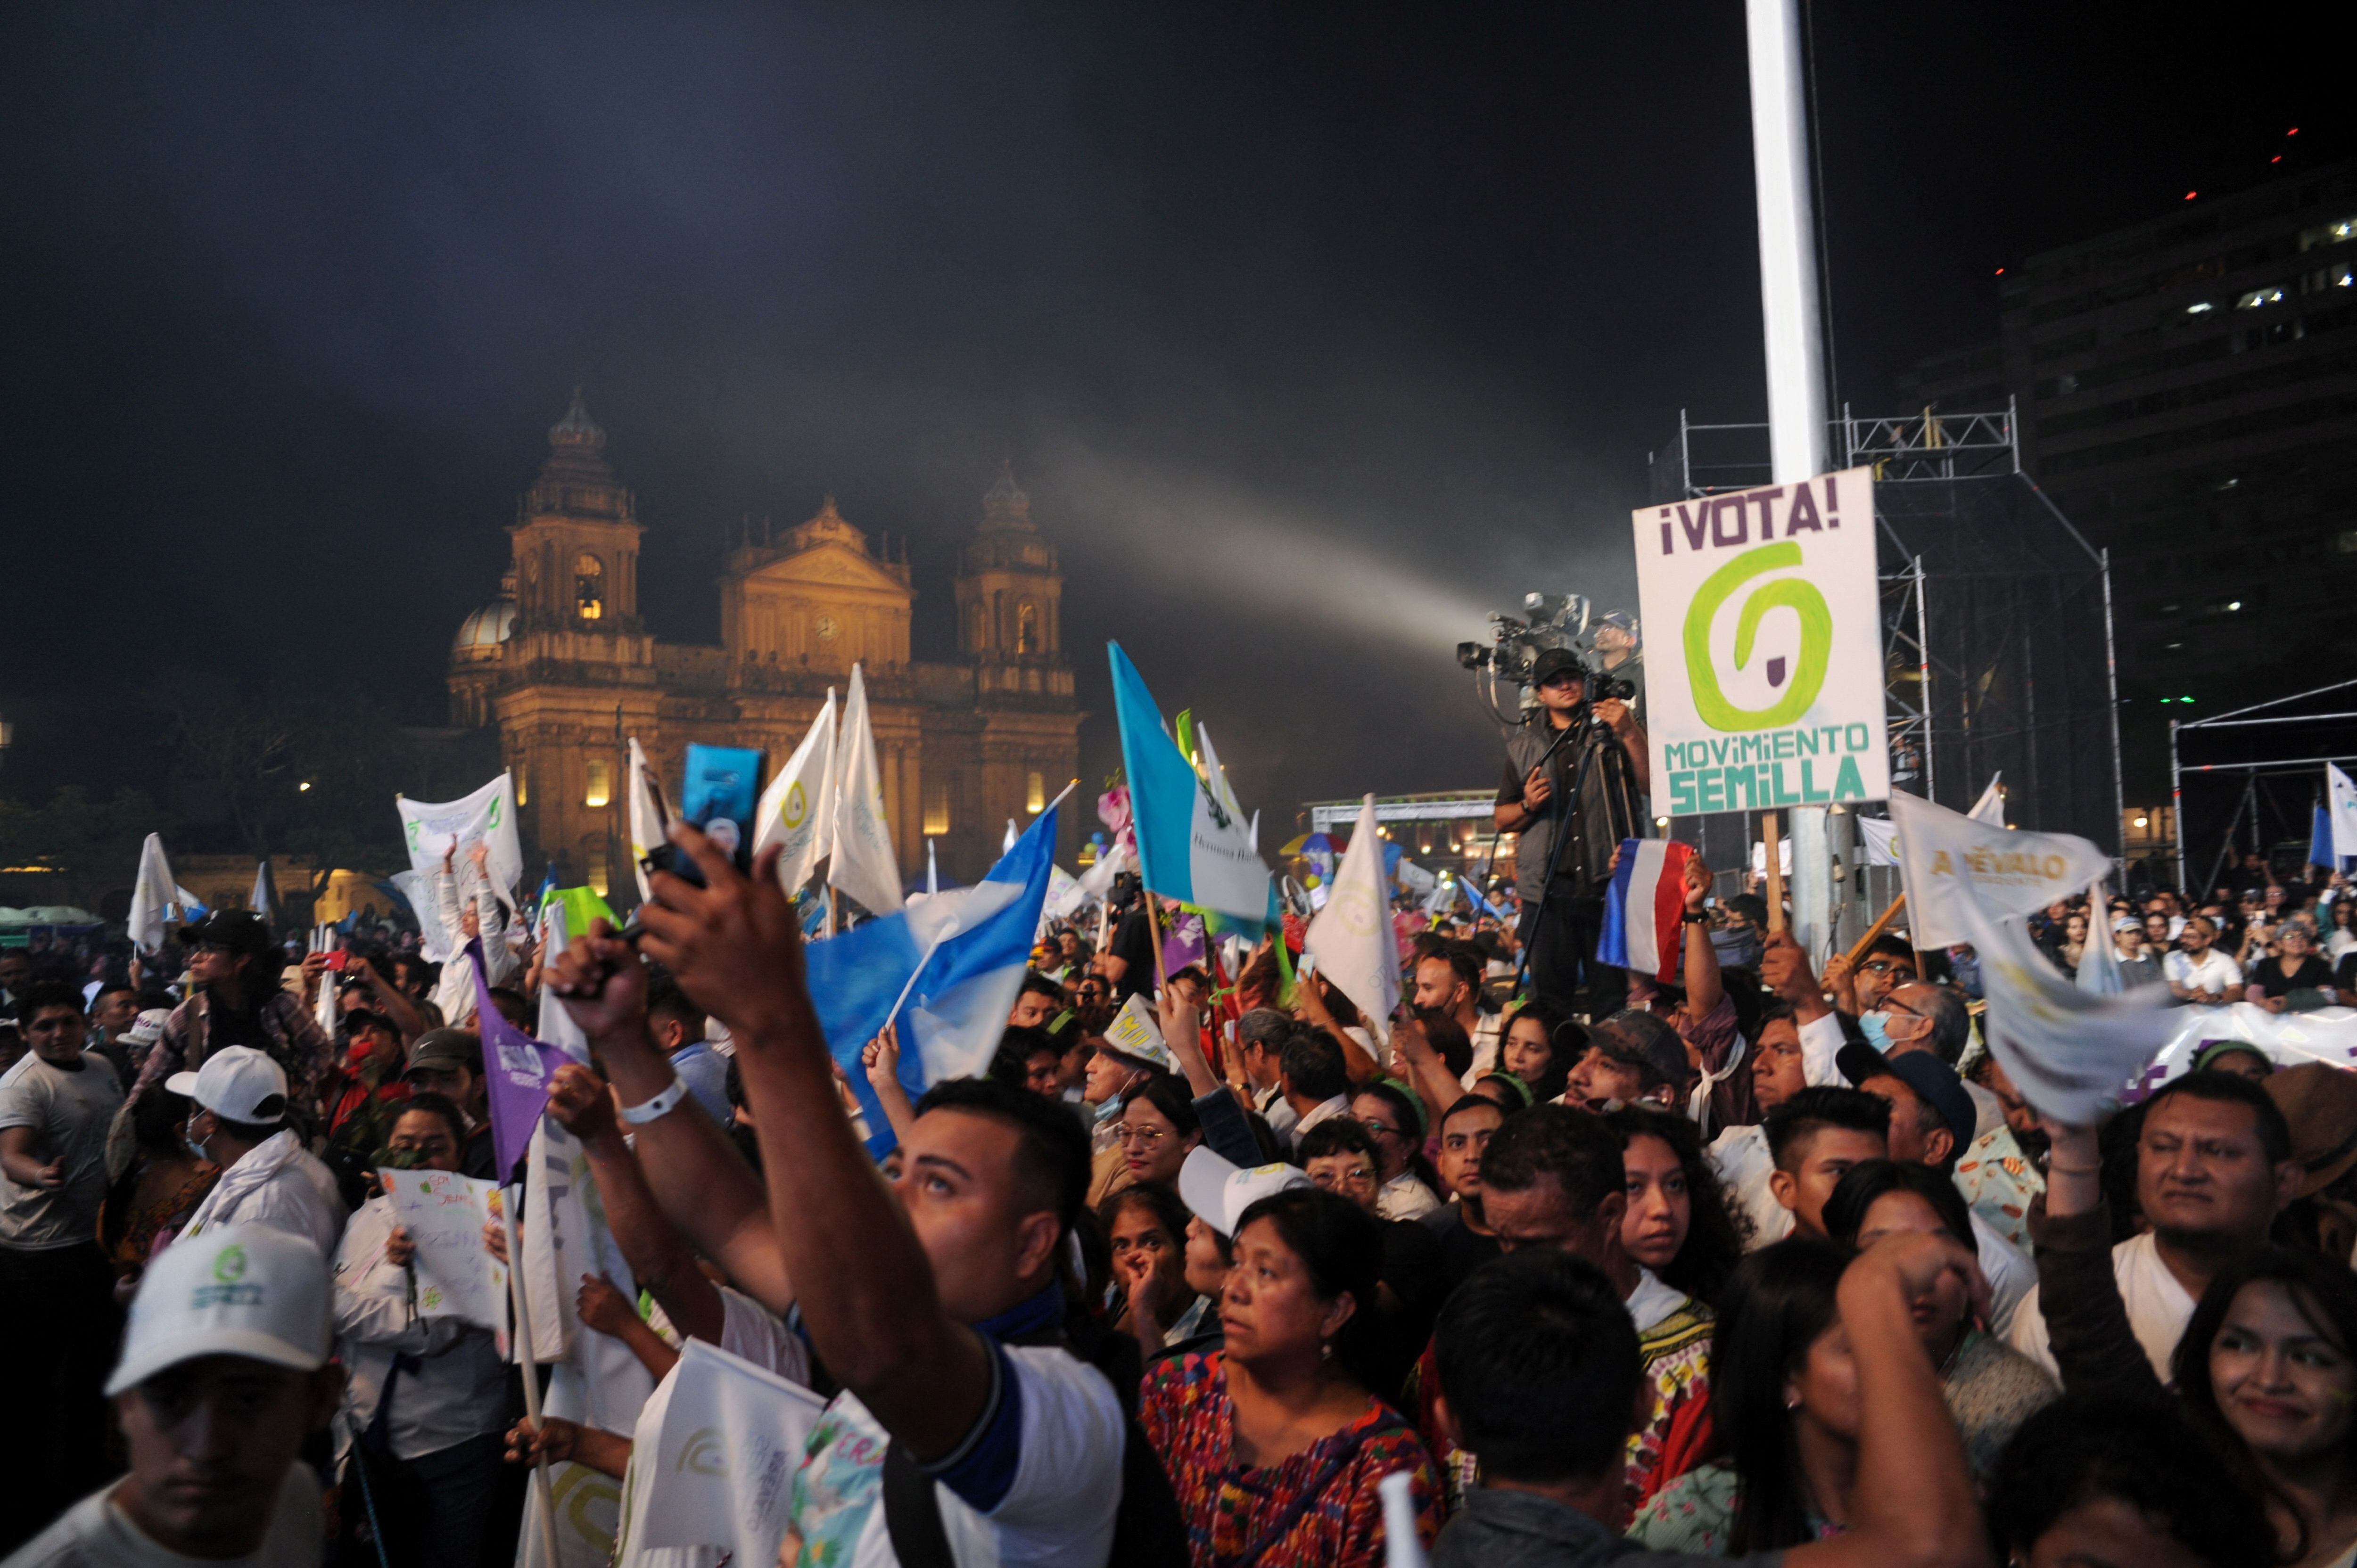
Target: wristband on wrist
x: 664, y: 1102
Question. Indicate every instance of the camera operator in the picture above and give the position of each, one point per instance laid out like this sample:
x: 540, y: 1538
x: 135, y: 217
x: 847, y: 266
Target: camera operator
x: 1562, y: 919
x: 1621, y: 655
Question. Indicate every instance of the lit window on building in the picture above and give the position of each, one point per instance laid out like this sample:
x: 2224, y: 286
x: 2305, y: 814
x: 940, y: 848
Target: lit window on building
x: 1035, y: 792
x: 2328, y: 234
x: 589, y: 588
x: 601, y: 783
x: 1026, y: 630
x: 2258, y: 298
x: 937, y: 808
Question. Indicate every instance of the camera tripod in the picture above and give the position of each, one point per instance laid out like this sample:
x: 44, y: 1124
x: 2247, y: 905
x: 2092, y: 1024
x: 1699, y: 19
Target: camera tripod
x: 1619, y: 789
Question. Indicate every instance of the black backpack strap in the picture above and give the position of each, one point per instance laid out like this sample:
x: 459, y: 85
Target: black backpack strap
x: 912, y: 1514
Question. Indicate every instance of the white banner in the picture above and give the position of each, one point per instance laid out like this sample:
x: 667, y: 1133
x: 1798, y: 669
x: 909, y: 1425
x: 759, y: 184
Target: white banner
x: 155, y: 897
x: 2072, y: 1053
x: 2343, y: 795
x: 488, y: 816
x: 444, y: 1214
x: 646, y: 822
x: 1959, y: 869
x: 1763, y: 682
x: 1351, y: 937
x: 797, y: 809
x: 725, y: 1455
x: 863, y: 866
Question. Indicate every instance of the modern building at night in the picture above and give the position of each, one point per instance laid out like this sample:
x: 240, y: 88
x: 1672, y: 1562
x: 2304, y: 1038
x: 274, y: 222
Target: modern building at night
x: 2185, y: 392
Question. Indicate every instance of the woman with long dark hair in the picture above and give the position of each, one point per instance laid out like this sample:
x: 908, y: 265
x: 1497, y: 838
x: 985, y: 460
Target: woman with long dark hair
x: 1784, y: 1397
x: 1678, y: 1222
x: 1144, y: 1230
x: 1273, y: 1443
x: 1991, y: 1388
x: 1539, y: 1045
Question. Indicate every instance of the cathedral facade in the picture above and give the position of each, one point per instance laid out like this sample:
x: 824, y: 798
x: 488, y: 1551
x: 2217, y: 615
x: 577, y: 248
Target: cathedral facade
x: 563, y: 668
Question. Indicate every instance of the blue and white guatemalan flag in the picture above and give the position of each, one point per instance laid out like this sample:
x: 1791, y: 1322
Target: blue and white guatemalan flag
x: 1192, y: 846
x: 967, y: 949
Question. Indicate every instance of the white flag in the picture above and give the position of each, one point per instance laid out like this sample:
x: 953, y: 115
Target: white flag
x: 2099, y: 960
x: 797, y: 809
x: 724, y: 1457
x: 152, y: 895
x: 265, y: 899
x: 2344, y: 813
x: 1216, y: 777
x: 432, y: 829
x: 646, y: 822
x: 1065, y: 897
x: 1352, y: 936
x: 1990, y: 807
x: 1874, y: 836
x: 1956, y: 861
x: 2071, y: 1052
x: 863, y: 866
x: 558, y: 1027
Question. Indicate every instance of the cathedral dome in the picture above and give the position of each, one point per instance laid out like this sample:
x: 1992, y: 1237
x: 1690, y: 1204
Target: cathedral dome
x: 480, y: 633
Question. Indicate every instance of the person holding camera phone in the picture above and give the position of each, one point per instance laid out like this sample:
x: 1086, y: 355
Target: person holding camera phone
x: 1573, y: 787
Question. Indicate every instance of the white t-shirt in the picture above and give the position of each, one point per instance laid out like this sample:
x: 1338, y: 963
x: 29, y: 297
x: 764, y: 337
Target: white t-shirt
x: 69, y: 1112
x: 2213, y: 972
x: 2010, y: 1274
x: 95, y: 1533
x: 2159, y: 1308
x: 1404, y: 1196
x: 749, y: 1331
x: 1056, y: 1511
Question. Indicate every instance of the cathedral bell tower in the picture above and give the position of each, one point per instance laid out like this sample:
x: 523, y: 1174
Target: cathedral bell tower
x: 577, y: 538
x: 1010, y: 593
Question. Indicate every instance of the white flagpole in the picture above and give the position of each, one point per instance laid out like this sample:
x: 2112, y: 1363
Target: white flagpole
x: 546, y: 1490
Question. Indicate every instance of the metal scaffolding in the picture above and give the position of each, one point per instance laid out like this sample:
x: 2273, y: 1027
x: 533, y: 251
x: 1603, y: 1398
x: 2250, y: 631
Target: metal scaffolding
x: 2328, y: 738
x: 1996, y: 615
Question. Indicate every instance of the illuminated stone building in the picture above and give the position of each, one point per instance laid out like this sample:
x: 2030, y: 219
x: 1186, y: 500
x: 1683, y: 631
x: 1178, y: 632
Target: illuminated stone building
x: 564, y: 667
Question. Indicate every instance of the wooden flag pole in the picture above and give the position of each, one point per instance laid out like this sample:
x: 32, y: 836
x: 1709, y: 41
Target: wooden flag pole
x: 1775, y: 871
x: 1153, y: 928
x: 546, y: 1489
x: 1882, y: 923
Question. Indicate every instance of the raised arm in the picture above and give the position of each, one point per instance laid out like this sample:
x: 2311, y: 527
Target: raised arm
x: 1704, y: 987
x: 698, y: 1179
x: 659, y: 1256
x: 869, y: 1298
x: 1913, y: 1505
x: 881, y: 1057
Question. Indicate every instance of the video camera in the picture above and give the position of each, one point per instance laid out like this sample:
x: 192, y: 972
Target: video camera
x: 1548, y: 620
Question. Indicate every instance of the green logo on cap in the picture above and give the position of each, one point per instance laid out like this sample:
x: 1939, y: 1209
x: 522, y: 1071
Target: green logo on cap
x: 230, y: 1267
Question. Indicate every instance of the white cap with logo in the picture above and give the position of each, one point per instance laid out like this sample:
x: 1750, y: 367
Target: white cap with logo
x: 1218, y: 1190
x: 239, y: 1290
x: 238, y: 1082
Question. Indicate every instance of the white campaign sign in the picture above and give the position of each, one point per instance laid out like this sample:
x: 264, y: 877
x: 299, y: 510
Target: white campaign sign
x: 489, y: 815
x: 1763, y: 674
x: 444, y: 1214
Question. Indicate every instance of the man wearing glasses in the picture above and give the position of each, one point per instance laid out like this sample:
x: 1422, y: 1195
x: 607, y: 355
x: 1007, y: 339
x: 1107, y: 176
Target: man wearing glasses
x: 1888, y: 964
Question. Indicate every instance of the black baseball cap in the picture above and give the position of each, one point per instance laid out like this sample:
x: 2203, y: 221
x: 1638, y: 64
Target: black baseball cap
x: 1935, y: 1083
x: 239, y: 930
x: 1554, y: 661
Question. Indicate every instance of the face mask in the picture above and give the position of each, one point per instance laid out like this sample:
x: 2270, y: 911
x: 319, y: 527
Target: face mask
x: 1878, y: 1032
x: 188, y: 1136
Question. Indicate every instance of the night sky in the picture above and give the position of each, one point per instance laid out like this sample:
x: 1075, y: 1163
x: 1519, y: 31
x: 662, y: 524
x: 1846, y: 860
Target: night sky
x: 1313, y: 331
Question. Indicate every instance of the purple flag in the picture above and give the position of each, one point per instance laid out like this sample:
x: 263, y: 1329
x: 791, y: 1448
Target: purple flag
x: 516, y: 1071
x: 1185, y: 943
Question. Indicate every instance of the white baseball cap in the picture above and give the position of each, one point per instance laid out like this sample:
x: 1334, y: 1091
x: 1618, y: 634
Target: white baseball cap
x: 239, y: 1289
x: 149, y: 1027
x: 1218, y: 1190
x: 238, y: 1082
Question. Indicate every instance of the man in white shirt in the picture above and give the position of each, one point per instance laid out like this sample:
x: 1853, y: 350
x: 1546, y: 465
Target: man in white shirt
x: 1740, y: 1154
x: 2197, y: 970
x: 2214, y: 1167
x: 224, y: 1373
x: 1317, y: 1085
x: 267, y: 1177
x: 932, y: 1296
x: 1261, y: 1035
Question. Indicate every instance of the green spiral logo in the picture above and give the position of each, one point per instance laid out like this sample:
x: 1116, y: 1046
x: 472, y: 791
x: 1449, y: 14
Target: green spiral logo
x: 1808, y: 673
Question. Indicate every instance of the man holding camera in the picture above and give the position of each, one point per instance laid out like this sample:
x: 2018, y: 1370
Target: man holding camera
x: 1564, y: 916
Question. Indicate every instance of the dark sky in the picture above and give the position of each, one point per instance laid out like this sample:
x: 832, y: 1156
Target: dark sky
x: 1314, y: 332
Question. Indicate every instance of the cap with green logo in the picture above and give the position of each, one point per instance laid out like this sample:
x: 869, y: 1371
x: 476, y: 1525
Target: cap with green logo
x: 238, y: 1290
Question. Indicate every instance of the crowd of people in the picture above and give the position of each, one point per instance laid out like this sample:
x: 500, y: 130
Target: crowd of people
x: 1771, y: 1259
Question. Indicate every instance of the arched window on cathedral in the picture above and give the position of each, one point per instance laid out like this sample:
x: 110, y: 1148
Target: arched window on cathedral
x: 1026, y: 629
x: 977, y: 629
x: 588, y: 586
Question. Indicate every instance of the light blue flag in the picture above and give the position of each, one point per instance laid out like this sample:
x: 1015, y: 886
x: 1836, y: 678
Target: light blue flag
x: 952, y: 964
x: 1193, y: 846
